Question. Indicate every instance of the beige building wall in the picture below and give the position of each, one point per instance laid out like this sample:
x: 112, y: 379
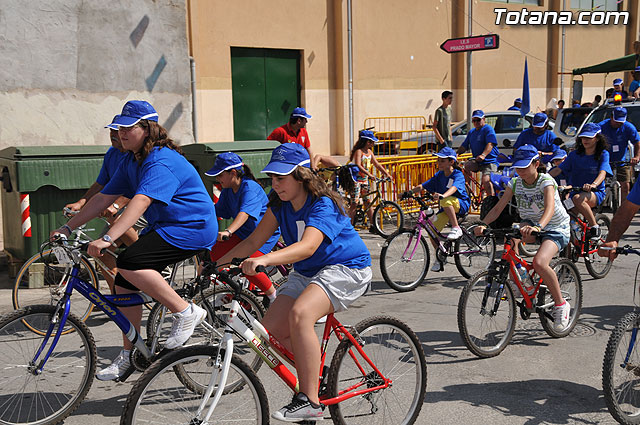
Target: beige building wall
x: 398, y: 66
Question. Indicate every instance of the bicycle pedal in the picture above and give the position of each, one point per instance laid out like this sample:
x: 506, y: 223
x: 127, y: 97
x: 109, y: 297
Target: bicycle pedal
x: 125, y: 375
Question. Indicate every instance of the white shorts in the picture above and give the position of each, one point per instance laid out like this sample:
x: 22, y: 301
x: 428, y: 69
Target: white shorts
x: 342, y: 284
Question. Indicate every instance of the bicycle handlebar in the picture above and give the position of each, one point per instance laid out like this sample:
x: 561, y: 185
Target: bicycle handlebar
x: 623, y: 250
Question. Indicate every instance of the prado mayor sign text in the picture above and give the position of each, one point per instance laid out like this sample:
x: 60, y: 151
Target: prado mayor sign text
x: 466, y: 44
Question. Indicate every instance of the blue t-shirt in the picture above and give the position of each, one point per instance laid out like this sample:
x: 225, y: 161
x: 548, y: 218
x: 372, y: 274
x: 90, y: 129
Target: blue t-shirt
x: 543, y: 142
x: 583, y: 169
x: 634, y: 86
x: 110, y: 164
x: 477, y: 140
x: 618, y: 138
x: 249, y: 199
x: 561, y: 178
x: 440, y: 183
x: 182, y: 212
x: 341, y: 243
x: 634, y: 194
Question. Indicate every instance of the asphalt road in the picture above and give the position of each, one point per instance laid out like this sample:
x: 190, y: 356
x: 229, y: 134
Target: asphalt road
x: 536, y: 380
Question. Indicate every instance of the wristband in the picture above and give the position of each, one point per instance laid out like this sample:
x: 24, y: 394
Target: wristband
x: 66, y: 226
x: 116, y: 206
x: 229, y: 232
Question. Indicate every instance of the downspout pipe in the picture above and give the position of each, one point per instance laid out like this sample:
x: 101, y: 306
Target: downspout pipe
x: 194, y: 112
x: 350, y: 61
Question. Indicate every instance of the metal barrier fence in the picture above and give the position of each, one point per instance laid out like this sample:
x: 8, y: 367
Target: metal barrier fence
x: 401, y: 135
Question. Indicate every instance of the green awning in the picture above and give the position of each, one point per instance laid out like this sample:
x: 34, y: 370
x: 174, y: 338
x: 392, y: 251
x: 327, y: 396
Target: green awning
x: 625, y: 63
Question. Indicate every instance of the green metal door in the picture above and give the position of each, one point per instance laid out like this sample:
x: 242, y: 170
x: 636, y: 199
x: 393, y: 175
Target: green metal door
x: 266, y: 88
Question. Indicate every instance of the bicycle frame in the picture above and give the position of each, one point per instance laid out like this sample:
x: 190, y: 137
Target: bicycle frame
x: 583, y: 244
x: 255, y: 340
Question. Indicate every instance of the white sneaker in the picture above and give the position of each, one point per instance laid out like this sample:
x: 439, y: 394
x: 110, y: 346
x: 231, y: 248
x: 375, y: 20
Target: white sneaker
x: 454, y: 234
x: 184, y: 324
x: 116, y: 369
x: 437, y: 266
x: 561, y: 316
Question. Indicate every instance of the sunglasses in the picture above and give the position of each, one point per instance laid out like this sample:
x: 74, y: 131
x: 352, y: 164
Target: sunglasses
x: 476, y: 120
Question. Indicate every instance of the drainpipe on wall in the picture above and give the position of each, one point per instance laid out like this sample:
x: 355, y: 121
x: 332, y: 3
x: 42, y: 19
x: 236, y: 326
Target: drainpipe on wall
x: 350, y: 60
x: 194, y: 114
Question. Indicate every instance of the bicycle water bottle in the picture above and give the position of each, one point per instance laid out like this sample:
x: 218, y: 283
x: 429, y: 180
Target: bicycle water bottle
x: 577, y: 231
x: 525, y: 278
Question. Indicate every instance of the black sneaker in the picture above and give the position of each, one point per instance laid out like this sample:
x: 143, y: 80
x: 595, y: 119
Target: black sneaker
x: 373, y: 230
x: 300, y: 409
x: 595, y: 233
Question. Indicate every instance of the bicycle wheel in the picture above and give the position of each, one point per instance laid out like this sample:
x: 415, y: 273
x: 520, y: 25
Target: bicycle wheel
x: 473, y: 253
x: 571, y: 288
x: 186, y: 271
x: 528, y: 249
x: 621, y: 371
x: 42, y: 280
x: 597, y: 266
x: 486, y: 328
x: 51, y: 395
x: 404, y: 262
x: 397, y: 353
x: 387, y: 218
x: 159, y: 396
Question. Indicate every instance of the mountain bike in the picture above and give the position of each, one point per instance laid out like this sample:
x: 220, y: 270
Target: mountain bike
x: 404, y: 259
x: 48, y: 355
x: 387, y: 218
x: 621, y: 364
x: 487, y: 304
x: 612, y: 190
x: 378, y: 373
x: 581, y: 245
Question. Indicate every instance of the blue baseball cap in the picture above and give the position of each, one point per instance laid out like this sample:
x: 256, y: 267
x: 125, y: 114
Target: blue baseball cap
x: 134, y: 111
x: 224, y: 162
x: 540, y: 119
x: 589, y: 130
x: 113, y: 126
x: 617, y: 81
x: 637, y: 69
x: 447, y: 152
x: 300, y: 112
x: 559, y: 154
x: 478, y: 113
x: 619, y: 114
x: 286, y: 158
x: 518, y: 100
x: 524, y: 156
x: 368, y: 134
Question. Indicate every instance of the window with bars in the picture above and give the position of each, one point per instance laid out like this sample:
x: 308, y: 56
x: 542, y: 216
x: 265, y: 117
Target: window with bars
x: 597, y: 5
x: 530, y: 2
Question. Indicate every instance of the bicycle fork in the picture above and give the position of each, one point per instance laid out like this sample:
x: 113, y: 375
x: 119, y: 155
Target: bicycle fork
x: 626, y: 365
x: 65, y: 303
x: 217, y: 380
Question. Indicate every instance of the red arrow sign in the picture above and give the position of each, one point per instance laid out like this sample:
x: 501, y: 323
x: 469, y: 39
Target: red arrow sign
x: 465, y: 44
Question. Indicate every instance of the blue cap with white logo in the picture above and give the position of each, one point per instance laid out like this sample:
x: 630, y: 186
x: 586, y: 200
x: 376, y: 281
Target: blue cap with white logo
x: 619, y: 114
x: 589, y: 130
x: 540, y: 119
x: 559, y: 154
x: 224, y: 162
x: 113, y: 126
x: 134, y: 111
x: 617, y: 81
x: 286, y: 158
x: 478, y: 113
x: 524, y: 156
x: 300, y: 112
x: 447, y: 152
x: 368, y: 134
x: 518, y: 100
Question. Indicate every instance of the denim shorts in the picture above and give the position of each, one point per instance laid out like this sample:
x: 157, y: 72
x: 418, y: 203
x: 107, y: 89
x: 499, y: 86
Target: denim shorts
x: 343, y: 285
x: 556, y: 237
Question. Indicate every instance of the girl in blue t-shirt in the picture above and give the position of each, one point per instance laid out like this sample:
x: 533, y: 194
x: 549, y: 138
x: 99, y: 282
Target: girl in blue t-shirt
x: 243, y: 200
x: 448, y: 187
x: 332, y: 266
x: 164, y: 187
x: 586, y: 168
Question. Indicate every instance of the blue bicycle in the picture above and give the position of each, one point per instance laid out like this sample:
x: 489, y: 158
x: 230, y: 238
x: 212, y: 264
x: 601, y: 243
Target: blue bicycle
x: 48, y: 355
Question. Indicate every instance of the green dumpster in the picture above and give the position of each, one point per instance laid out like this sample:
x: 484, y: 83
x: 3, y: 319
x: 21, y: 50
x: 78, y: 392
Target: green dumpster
x: 255, y: 154
x: 51, y: 176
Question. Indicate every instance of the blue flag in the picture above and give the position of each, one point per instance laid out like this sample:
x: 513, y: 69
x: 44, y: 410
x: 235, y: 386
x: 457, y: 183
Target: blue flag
x: 526, y: 106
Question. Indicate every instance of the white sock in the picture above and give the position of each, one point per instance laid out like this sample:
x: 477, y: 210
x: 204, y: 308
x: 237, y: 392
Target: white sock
x: 185, y: 310
x: 272, y: 297
x: 596, y: 226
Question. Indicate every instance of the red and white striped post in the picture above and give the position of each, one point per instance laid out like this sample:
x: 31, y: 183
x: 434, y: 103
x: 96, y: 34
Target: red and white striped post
x: 26, y: 219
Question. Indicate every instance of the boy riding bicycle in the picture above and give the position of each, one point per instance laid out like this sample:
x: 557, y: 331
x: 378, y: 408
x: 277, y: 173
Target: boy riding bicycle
x: 541, y: 210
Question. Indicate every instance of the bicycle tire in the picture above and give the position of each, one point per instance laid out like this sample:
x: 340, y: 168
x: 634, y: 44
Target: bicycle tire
x: 598, y: 267
x: 615, y: 197
x: 528, y: 249
x: 490, y: 338
x: 571, y: 288
x: 387, y: 218
x: 384, y: 338
x: 620, y: 376
x: 159, y: 396
x: 53, y: 278
x: 399, y: 273
x: 52, y: 395
x: 472, y: 263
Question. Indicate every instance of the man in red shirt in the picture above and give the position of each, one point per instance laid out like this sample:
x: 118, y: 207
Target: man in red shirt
x: 295, y: 132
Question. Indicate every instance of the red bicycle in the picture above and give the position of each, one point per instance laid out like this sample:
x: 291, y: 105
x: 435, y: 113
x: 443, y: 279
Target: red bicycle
x: 487, y: 305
